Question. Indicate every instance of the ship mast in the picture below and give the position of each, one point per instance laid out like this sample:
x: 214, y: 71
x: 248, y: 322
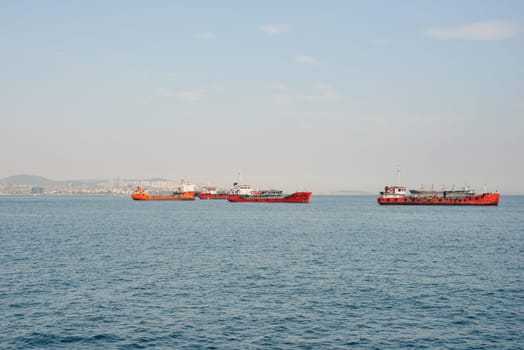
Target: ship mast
x: 398, y: 176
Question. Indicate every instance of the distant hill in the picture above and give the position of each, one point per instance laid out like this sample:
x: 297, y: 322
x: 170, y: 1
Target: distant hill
x: 23, y: 179
x: 35, y: 180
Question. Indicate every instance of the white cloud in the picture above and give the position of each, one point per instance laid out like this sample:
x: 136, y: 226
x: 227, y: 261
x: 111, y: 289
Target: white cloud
x: 164, y: 92
x: 188, y: 95
x: 274, y: 29
x: 142, y: 75
x: 306, y: 59
x: 217, y: 87
x: 425, y: 120
x: 282, y: 99
x: 56, y: 53
x: 487, y: 30
x: 148, y: 75
x: 325, y: 87
x: 312, y: 115
x: 205, y: 35
x: 280, y: 87
x: 381, y: 42
x: 327, y: 93
x: 519, y: 105
x: 324, y: 96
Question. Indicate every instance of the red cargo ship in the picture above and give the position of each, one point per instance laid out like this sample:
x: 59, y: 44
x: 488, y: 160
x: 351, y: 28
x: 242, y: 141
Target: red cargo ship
x: 245, y: 194
x: 397, y: 195
x: 211, y: 192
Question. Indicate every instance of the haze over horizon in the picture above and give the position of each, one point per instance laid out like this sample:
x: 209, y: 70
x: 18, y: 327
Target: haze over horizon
x: 329, y: 96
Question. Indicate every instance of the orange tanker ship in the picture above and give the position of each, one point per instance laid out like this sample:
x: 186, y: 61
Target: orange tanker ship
x: 397, y: 195
x: 185, y: 192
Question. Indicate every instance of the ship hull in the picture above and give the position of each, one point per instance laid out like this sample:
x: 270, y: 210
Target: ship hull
x: 186, y: 196
x: 297, y: 197
x: 480, y: 199
x: 212, y: 196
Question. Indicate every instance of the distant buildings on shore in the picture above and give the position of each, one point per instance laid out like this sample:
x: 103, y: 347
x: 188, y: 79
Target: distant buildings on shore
x: 116, y: 186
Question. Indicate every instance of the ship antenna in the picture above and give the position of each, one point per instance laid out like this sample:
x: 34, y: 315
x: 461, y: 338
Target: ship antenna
x: 398, y: 176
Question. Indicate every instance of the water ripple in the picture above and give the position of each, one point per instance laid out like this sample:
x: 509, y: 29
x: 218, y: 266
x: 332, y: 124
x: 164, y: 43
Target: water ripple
x: 341, y: 272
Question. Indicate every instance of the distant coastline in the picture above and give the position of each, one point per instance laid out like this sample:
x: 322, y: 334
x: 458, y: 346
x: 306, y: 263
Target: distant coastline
x: 33, y: 185
x: 37, y: 185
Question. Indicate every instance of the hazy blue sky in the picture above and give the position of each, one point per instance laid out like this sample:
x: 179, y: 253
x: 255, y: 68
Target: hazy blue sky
x: 328, y: 95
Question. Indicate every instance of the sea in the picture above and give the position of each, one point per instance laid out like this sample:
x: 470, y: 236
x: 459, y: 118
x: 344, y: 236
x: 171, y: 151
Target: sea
x: 102, y: 272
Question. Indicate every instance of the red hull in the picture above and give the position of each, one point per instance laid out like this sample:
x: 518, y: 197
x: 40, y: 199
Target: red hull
x: 297, y: 197
x: 480, y: 199
x: 212, y: 196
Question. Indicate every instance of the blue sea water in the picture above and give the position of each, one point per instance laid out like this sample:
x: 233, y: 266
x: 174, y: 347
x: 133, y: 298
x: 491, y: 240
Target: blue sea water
x: 337, y: 273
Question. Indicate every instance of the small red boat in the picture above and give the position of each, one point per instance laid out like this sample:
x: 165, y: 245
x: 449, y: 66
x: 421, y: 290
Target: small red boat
x: 211, y: 192
x: 246, y: 194
x: 397, y: 195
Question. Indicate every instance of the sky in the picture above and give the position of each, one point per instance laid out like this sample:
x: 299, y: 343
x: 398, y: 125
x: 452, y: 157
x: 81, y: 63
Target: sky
x: 324, y: 95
